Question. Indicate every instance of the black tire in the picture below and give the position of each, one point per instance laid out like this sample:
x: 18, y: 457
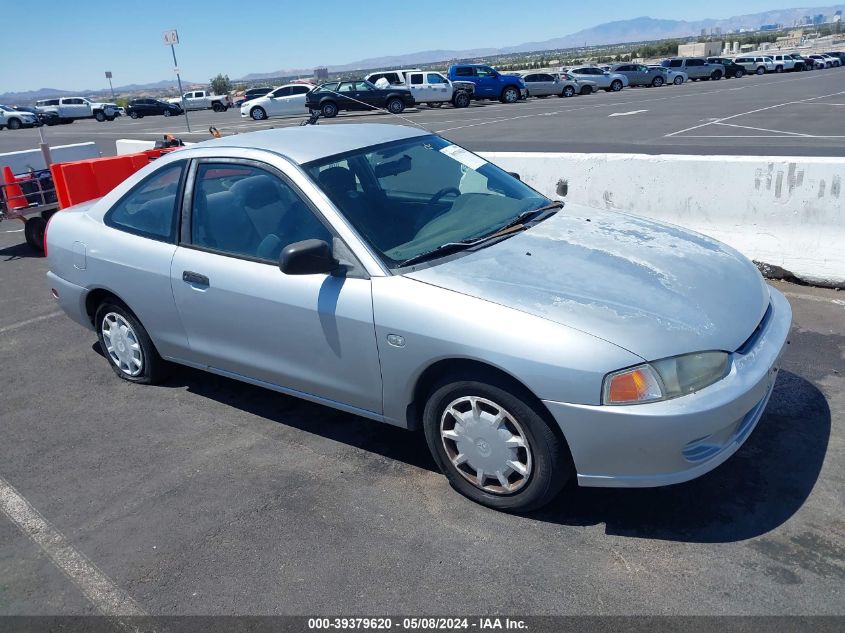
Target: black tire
x: 778, y: 69
x: 586, y: 90
x: 716, y: 76
x: 258, y: 113
x: 33, y: 231
x: 167, y: 113
x: 509, y: 95
x: 14, y: 124
x: 100, y: 116
x: 658, y: 82
x: 328, y: 109
x: 616, y: 85
x: 678, y: 80
x: 395, y: 105
x: 551, y: 464
x: 461, y: 100
x: 153, y: 368
x: 568, y: 91
x: 739, y: 74
x: 217, y: 107
x: 134, y: 115
x: 761, y: 70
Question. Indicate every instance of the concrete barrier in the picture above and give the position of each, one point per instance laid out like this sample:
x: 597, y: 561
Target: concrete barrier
x: 782, y: 212
x: 22, y: 161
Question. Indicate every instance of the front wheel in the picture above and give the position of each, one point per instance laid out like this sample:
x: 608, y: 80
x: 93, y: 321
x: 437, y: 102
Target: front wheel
x: 586, y: 90
x: 778, y: 69
x: 616, y: 85
x: 739, y: 74
x: 568, y: 91
x: 678, y: 80
x: 716, y: 76
x: 461, y: 100
x: 14, y: 124
x: 33, y: 232
x: 134, y: 115
x: 493, y: 446
x: 329, y: 110
x: 658, y: 81
x: 258, y: 113
x: 396, y: 106
x: 217, y: 107
x: 126, y: 344
x: 100, y: 116
x: 761, y: 71
x: 166, y: 113
x: 510, y: 95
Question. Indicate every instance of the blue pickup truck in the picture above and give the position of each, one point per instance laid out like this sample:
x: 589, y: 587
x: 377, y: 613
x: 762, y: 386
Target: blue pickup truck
x: 489, y: 82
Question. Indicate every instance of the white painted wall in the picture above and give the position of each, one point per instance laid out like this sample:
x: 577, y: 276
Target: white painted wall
x: 132, y: 146
x: 782, y: 211
x: 22, y: 161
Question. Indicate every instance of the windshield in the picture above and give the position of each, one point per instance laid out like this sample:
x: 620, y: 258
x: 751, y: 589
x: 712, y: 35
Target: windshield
x: 410, y: 197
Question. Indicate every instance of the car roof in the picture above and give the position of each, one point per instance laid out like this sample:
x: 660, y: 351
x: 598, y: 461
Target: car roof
x: 303, y: 144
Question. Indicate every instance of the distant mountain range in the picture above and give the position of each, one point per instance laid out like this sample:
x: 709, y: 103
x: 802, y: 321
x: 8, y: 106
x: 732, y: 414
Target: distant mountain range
x: 635, y: 30
x: 28, y: 96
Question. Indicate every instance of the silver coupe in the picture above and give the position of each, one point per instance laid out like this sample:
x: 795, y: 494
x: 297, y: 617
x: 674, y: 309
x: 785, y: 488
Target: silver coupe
x: 389, y: 273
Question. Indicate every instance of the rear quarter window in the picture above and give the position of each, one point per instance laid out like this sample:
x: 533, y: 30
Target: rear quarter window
x: 149, y: 209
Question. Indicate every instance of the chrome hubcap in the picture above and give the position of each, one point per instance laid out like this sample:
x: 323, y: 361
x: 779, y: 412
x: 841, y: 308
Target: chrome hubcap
x: 486, y: 445
x: 122, y: 344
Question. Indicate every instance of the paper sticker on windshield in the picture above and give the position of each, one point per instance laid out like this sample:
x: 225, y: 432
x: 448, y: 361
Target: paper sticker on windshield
x: 464, y: 157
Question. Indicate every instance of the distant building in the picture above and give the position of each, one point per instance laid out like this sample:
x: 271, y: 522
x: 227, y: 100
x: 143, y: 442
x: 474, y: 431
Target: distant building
x: 771, y: 27
x: 321, y: 73
x: 700, y: 49
x: 818, y: 19
x: 703, y: 32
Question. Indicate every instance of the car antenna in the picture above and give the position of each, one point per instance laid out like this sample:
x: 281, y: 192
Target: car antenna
x: 315, y: 114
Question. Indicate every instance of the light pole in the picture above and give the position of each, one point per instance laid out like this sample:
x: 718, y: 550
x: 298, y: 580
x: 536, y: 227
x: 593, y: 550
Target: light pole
x: 171, y: 38
x: 108, y: 76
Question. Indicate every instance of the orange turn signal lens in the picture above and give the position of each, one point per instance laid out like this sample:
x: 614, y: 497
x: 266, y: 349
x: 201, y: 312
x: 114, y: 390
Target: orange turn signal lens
x: 639, y: 384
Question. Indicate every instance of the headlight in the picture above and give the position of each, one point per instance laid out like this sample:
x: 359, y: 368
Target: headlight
x: 665, y: 379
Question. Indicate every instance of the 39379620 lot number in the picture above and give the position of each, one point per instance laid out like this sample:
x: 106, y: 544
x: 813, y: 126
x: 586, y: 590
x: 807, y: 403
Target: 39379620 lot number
x: 407, y: 624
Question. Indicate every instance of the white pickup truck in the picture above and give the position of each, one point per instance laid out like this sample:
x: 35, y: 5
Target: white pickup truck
x: 428, y: 87
x: 70, y: 109
x: 203, y: 100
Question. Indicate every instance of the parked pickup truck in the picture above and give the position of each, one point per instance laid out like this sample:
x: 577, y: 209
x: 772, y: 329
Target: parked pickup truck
x: 69, y: 109
x: 489, y: 82
x: 428, y: 87
x: 202, y: 100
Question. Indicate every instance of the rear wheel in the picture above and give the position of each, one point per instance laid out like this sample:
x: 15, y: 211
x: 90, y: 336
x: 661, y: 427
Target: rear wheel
x: 568, y: 91
x: 100, y: 116
x: 616, y: 85
x: 134, y: 115
x: 586, y: 90
x: 166, y: 113
x: 396, y: 106
x: 678, y: 80
x: 510, y: 95
x: 328, y: 109
x: 778, y: 69
x: 493, y: 444
x: 716, y: 76
x: 761, y: 70
x: 658, y: 81
x: 739, y: 74
x: 217, y: 107
x: 126, y: 344
x: 33, y: 231
x: 258, y: 113
x: 14, y: 124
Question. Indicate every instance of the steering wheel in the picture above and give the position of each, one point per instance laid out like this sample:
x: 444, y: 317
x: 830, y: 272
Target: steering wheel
x: 436, y: 197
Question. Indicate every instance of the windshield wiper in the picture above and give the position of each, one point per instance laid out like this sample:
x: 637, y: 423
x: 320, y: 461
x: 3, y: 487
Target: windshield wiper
x: 514, y: 226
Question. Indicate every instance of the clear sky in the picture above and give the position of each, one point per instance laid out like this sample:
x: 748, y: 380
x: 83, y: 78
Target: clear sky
x: 72, y: 43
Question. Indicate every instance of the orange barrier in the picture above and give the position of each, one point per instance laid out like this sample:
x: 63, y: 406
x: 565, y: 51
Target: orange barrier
x: 15, y: 198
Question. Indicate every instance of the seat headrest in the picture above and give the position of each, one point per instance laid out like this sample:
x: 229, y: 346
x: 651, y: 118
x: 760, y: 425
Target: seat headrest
x: 256, y: 191
x: 337, y: 180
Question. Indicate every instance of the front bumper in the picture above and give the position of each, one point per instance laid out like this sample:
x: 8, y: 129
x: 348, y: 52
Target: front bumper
x: 677, y: 440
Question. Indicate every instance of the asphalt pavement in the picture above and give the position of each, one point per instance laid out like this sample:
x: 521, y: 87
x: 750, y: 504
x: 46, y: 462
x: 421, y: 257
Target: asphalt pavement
x: 209, y: 496
x: 791, y: 114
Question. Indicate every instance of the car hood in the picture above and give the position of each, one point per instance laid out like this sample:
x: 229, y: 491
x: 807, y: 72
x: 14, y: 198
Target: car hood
x: 654, y: 289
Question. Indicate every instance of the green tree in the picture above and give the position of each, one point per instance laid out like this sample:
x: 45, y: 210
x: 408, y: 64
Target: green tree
x: 221, y: 85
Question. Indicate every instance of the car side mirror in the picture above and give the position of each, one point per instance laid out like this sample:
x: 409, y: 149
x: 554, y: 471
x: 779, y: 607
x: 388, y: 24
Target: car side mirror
x: 308, y: 257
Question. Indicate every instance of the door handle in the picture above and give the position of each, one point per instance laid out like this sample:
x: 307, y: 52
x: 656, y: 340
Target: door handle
x: 194, y: 278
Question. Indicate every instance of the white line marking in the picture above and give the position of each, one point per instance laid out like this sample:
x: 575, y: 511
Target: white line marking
x: 626, y: 113
x: 107, y: 597
x: 734, y: 116
x: 797, y: 138
x: 17, y: 326
x: 15, y: 231
x: 761, y: 129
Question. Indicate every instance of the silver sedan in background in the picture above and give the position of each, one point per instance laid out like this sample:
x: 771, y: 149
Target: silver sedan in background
x: 673, y: 75
x: 546, y: 84
x: 389, y: 273
x: 611, y: 82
